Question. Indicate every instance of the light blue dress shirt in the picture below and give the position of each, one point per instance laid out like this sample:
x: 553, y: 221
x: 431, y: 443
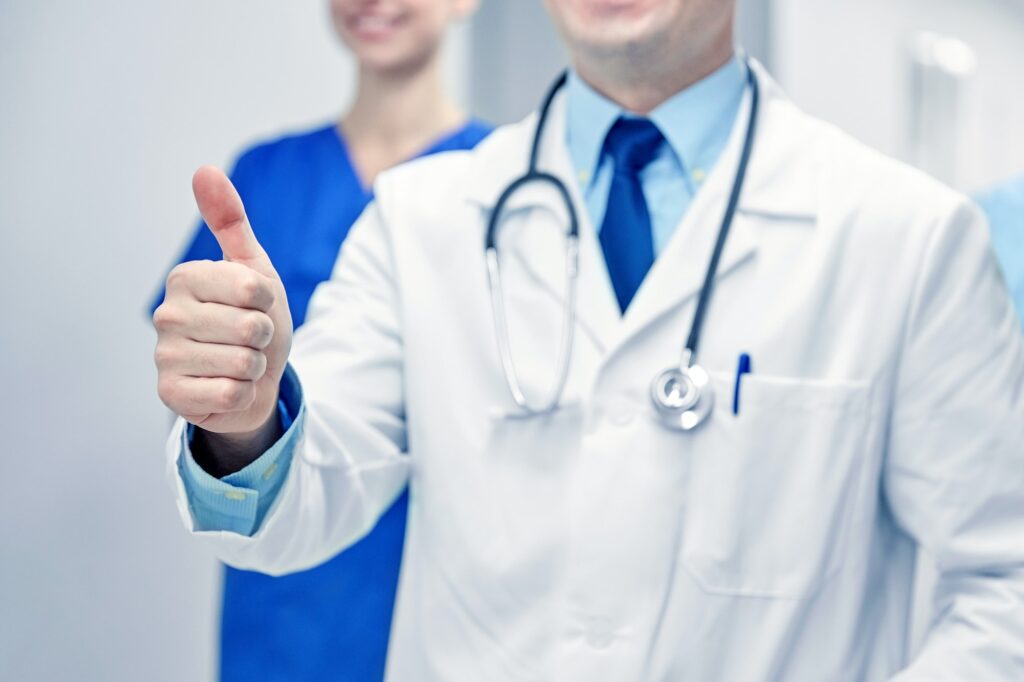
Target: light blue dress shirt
x: 696, y: 124
x: 239, y: 502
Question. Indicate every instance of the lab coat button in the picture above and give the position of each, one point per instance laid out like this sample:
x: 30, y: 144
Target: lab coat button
x: 599, y: 637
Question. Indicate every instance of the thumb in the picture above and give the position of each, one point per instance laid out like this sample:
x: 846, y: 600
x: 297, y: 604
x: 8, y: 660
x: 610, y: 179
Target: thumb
x: 224, y: 214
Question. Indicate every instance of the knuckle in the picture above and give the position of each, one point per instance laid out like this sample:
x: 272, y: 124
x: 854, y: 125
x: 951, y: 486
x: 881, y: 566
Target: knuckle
x: 229, y: 395
x: 245, y: 364
x: 249, y: 289
x: 180, y: 275
x: 164, y: 355
x: 233, y: 395
x: 260, y: 366
x: 257, y: 330
x: 252, y: 365
x: 248, y: 330
x: 164, y: 318
x: 268, y: 329
x: 165, y: 388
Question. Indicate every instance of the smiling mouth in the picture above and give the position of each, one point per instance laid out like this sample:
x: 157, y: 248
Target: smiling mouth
x: 373, y: 26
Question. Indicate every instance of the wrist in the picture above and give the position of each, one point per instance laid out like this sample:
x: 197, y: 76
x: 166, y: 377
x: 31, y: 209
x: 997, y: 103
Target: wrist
x: 222, y: 454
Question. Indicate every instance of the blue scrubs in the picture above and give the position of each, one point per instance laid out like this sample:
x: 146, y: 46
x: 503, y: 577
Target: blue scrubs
x: 1004, y: 206
x: 302, y: 194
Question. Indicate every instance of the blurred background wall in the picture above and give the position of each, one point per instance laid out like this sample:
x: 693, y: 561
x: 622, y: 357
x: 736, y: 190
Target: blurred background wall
x: 849, y: 61
x: 106, y: 108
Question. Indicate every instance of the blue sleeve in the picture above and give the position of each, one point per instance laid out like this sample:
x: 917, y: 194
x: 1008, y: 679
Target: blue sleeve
x: 203, y: 246
x: 240, y: 501
x: 1004, y: 207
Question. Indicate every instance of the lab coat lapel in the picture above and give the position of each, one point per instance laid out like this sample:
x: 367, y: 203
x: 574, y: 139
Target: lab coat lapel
x: 778, y: 187
x: 529, y: 237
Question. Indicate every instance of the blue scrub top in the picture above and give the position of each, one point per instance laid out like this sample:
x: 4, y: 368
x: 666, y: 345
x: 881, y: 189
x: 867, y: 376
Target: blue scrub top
x: 302, y: 194
x: 1004, y: 206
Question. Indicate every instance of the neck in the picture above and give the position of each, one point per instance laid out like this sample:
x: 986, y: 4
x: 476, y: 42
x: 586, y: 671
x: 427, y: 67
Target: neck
x: 641, y: 78
x: 401, y: 110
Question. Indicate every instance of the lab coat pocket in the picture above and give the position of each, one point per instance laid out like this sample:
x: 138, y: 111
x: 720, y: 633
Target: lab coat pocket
x: 771, y: 490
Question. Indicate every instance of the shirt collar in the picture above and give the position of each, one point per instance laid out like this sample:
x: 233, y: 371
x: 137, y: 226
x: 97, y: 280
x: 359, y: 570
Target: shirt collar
x: 696, y: 122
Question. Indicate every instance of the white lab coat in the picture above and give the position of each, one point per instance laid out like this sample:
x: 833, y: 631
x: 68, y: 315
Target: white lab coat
x: 885, y: 409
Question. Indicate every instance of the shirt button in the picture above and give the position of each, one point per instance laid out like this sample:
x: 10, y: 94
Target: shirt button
x: 236, y: 495
x: 270, y: 471
x: 699, y: 175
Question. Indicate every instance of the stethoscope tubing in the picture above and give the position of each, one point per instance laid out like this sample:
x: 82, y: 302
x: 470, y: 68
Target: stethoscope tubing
x: 564, y: 355
x: 707, y: 289
x: 670, y: 415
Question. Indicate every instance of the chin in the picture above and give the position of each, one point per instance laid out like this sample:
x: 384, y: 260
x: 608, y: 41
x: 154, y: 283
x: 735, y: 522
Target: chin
x: 382, y: 60
x: 605, y: 25
x: 396, y: 53
x: 621, y: 39
x: 620, y: 9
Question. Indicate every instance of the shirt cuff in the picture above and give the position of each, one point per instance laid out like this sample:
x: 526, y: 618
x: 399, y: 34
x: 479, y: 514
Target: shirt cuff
x: 238, y: 502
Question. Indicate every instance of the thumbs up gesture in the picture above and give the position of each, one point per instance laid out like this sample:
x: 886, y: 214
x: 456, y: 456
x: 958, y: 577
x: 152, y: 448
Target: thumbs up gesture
x: 224, y: 329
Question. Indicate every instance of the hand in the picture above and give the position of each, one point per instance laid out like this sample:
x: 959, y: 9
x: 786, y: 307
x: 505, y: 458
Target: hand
x: 224, y: 329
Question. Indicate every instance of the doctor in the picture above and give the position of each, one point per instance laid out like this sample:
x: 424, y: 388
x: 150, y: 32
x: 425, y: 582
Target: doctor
x: 855, y: 387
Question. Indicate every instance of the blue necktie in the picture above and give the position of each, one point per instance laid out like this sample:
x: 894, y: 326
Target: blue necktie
x: 626, y: 237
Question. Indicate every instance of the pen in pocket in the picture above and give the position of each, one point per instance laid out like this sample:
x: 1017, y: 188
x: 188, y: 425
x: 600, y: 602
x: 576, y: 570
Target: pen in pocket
x: 743, y: 367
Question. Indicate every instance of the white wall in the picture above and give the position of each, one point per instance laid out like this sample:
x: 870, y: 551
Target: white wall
x: 846, y: 61
x: 106, y: 107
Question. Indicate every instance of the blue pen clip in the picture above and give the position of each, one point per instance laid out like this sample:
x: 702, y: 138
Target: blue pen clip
x: 742, y: 368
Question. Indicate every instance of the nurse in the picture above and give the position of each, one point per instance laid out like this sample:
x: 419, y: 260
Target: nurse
x: 303, y: 192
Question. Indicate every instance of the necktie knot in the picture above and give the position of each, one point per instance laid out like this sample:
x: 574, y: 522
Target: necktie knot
x: 632, y: 143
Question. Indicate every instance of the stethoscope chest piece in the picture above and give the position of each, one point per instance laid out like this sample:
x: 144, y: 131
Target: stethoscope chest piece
x: 682, y: 397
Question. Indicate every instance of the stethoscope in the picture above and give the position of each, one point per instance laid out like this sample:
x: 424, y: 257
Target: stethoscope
x: 682, y: 396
